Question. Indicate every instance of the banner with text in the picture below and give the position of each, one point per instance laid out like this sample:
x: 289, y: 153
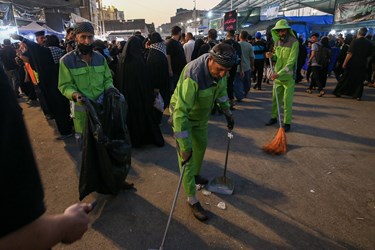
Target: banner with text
x: 269, y: 12
x: 30, y: 14
x: 217, y: 24
x: 356, y: 11
x: 230, y: 20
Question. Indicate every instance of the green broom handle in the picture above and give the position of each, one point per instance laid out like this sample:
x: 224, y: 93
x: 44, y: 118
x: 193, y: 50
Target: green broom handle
x: 276, y: 96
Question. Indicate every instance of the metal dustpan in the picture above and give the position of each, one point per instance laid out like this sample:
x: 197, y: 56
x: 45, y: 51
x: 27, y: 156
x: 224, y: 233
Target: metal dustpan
x: 222, y: 184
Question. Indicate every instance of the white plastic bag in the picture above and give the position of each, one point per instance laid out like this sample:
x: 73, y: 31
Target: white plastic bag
x: 159, y: 103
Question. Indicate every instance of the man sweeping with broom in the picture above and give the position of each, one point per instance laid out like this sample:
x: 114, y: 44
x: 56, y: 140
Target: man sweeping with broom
x: 286, y: 54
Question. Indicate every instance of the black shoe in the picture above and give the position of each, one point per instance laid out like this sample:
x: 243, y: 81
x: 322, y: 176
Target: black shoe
x: 271, y: 122
x: 286, y: 127
x: 127, y: 185
x: 200, y: 180
x: 198, y: 211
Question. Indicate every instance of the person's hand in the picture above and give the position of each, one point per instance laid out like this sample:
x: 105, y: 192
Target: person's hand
x: 344, y: 66
x: 269, y: 55
x: 230, y: 122
x: 242, y: 74
x: 185, y: 155
x: 76, y: 222
x: 77, y: 97
x: 274, y: 76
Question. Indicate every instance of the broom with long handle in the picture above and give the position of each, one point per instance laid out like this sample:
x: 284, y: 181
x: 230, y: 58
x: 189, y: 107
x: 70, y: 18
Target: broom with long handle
x: 278, y: 144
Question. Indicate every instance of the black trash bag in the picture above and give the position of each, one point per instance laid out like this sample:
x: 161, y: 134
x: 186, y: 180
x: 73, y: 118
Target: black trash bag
x: 106, y: 154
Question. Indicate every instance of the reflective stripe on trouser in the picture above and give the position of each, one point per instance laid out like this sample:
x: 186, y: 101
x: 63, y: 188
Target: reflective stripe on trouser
x: 285, y: 90
x: 193, y: 167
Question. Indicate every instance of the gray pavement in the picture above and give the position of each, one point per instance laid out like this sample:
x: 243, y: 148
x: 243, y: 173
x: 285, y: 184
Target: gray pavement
x: 320, y: 195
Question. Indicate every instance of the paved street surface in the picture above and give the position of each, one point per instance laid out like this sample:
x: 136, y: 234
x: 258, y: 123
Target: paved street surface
x: 320, y: 195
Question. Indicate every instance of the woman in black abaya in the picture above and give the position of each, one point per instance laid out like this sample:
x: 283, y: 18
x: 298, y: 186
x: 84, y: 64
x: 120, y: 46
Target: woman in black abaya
x: 132, y: 81
x: 157, y: 70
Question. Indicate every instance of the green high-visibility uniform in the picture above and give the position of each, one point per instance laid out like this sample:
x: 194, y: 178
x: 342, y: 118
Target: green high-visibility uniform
x: 91, y: 80
x: 191, y: 105
x: 286, y: 55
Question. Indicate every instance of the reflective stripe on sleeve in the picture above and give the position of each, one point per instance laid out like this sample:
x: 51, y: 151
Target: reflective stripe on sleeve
x: 79, y: 108
x: 222, y: 99
x: 182, y: 134
x: 287, y: 70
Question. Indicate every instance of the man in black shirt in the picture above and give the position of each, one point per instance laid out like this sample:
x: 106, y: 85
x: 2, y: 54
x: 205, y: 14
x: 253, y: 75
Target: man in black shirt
x: 355, y: 63
x: 175, y: 56
x: 24, y: 224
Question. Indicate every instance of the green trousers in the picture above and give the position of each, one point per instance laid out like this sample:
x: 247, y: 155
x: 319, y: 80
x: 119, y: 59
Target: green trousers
x: 285, y: 92
x: 193, y: 167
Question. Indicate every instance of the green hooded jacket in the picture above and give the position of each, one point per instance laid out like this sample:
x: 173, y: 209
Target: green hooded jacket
x: 193, y: 100
x: 286, y: 52
x: 91, y: 80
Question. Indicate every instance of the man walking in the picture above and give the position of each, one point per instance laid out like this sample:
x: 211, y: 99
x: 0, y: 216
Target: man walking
x: 286, y: 54
x: 189, y: 46
x: 242, y: 80
x: 175, y: 56
x: 355, y: 63
x: 259, y: 52
x: 202, y: 82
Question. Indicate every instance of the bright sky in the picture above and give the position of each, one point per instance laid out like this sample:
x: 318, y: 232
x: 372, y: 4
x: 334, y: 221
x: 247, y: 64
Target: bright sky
x: 157, y: 11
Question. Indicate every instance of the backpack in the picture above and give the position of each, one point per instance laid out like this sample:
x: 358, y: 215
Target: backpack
x: 323, y: 56
x: 237, y: 47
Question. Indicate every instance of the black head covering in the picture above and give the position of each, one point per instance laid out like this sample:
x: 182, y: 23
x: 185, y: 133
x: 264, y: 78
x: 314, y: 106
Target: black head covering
x: 52, y: 40
x: 133, y: 48
x: 224, y: 54
x: 155, y: 38
x: 198, y: 43
x: 40, y: 33
x: 84, y: 27
x: 99, y: 46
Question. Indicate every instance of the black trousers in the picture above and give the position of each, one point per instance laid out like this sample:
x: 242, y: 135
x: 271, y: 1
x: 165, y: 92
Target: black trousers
x: 230, y: 80
x: 258, y: 72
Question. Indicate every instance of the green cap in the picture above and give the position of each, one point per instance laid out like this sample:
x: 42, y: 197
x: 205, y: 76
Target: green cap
x: 281, y: 24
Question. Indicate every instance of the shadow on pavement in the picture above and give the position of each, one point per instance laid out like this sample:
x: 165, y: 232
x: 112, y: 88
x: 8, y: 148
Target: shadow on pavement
x: 132, y: 222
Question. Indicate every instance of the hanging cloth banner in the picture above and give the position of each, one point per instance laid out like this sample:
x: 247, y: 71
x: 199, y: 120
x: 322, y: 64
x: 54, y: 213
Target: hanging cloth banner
x: 30, y: 14
x: 6, y: 15
x: 230, y: 20
x: 216, y: 24
x: 356, y: 11
x: 269, y: 12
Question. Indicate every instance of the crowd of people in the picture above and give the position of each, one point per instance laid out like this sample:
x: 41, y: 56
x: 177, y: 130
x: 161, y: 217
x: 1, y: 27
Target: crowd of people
x: 193, y: 77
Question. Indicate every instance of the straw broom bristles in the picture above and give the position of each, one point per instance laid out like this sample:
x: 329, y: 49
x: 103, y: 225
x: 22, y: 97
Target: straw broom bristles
x: 278, y: 144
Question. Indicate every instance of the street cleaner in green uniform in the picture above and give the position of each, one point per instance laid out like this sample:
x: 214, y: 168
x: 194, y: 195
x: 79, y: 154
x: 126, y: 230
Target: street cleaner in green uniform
x: 201, y: 82
x: 286, y: 54
x: 83, y: 72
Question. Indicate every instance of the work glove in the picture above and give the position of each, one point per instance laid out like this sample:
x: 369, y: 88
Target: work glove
x: 77, y: 97
x: 230, y: 121
x: 229, y: 116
